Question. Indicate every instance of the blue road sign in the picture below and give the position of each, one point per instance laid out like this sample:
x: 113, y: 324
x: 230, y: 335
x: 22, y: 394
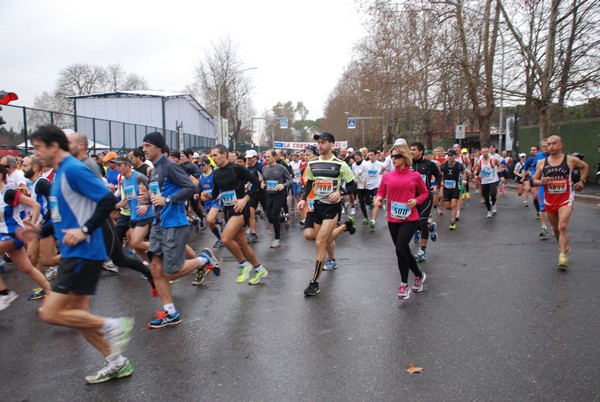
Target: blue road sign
x: 283, y: 123
x: 351, y: 123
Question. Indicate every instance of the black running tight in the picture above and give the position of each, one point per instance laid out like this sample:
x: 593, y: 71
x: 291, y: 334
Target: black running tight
x: 402, y: 233
x: 114, y: 248
x: 489, y: 191
x: 275, y: 201
x: 362, y: 193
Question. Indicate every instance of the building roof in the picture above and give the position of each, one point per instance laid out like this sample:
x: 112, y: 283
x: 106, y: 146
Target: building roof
x: 165, y: 95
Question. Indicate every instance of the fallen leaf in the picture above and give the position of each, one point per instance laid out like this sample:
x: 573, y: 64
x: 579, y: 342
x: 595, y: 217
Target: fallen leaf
x: 412, y: 369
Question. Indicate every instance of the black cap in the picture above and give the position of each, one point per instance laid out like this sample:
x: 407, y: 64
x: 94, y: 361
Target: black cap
x: 155, y: 138
x: 326, y: 136
x: 205, y: 161
x: 312, y: 149
x: 452, y: 152
x: 122, y: 159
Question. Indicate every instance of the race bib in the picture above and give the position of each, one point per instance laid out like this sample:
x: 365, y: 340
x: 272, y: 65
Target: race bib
x: 271, y: 184
x: 323, y: 187
x: 486, y: 173
x: 424, y: 176
x: 129, y: 192
x: 372, y: 172
x: 208, y: 191
x: 450, y: 184
x: 229, y: 198
x: 557, y: 187
x: 54, y: 208
x: 154, y: 188
x: 399, y: 210
x: 311, y: 205
x: 296, y: 174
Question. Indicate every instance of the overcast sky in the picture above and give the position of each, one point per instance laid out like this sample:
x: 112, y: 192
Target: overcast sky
x: 299, y: 47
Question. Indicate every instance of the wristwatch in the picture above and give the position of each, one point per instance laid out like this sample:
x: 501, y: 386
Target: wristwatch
x: 85, y: 230
x: 167, y: 200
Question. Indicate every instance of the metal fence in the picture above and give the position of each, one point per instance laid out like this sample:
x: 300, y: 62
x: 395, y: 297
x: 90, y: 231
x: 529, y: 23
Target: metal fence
x: 22, y: 121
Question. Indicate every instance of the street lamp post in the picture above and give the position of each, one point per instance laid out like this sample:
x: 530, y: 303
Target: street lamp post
x: 218, y: 125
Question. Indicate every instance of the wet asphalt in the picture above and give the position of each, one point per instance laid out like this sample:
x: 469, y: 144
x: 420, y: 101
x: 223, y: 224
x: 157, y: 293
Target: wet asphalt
x: 497, y: 321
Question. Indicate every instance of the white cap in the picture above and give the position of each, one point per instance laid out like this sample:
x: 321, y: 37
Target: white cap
x: 400, y: 141
x: 251, y: 153
x: 350, y: 149
x: 522, y: 155
x: 196, y: 155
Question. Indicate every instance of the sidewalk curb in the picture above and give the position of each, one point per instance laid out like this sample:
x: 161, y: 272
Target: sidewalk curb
x: 578, y: 196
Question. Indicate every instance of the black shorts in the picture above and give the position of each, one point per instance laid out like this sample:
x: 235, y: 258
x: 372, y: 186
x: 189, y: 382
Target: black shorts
x: 141, y: 222
x: 309, y: 221
x: 327, y: 211
x: 228, y: 212
x: 451, y: 194
x: 78, y: 276
x: 123, y: 220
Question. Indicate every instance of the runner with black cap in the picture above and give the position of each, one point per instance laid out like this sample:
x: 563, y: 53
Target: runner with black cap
x: 325, y: 175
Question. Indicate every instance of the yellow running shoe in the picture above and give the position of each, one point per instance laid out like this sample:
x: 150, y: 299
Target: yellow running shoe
x: 258, y: 275
x: 563, y: 262
x: 244, y: 273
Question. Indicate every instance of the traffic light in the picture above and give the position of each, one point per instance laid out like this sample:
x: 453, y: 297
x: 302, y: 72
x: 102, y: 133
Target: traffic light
x: 7, y: 97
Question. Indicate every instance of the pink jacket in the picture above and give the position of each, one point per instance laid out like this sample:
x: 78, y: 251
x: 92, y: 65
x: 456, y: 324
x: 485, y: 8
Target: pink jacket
x: 398, y: 186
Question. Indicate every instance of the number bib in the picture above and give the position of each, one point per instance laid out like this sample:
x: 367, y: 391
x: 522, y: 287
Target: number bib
x: 271, y: 184
x: 323, y: 187
x: 557, y: 187
x: 424, y: 176
x: 297, y: 174
x: 450, y: 184
x: 229, y: 198
x: 311, y: 205
x: 129, y: 192
x: 372, y: 172
x: 54, y: 208
x: 154, y: 188
x: 399, y: 210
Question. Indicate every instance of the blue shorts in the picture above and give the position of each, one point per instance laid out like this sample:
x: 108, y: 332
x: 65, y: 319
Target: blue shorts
x: 542, y: 198
x: 296, y: 189
x: 211, y: 204
x: 11, y: 237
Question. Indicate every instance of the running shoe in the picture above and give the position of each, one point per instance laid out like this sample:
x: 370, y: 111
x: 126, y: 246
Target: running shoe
x: 51, y: 273
x: 119, y: 337
x: 494, y: 209
x: 563, y: 261
x: 457, y: 216
x: 403, y: 291
x: 6, y: 300
x: 108, y: 372
x: 244, y: 273
x: 286, y: 221
x: 452, y: 226
x: 199, y: 276
x: 258, y: 275
x: 417, y: 236
x: 432, y: 231
x: 276, y: 243
x: 366, y: 221
x: 350, y: 225
x: 312, y: 289
x: 222, y: 223
x: 110, y: 267
x: 353, y: 211
x: 164, y: 319
x: 330, y: 265
x: 302, y: 222
x: 252, y: 238
x: 418, y: 283
x: 421, y: 255
x: 525, y: 204
x: 537, y: 215
x: 38, y: 293
x: 440, y: 211
x: 482, y: 201
x: 130, y: 252
x: 218, y: 244
x: 489, y: 214
x: 372, y: 225
x: 213, y: 263
x: 544, y: 231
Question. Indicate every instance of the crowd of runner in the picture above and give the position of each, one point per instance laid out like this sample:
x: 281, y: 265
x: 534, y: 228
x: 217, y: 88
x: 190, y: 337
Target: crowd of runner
x: 67, y: 215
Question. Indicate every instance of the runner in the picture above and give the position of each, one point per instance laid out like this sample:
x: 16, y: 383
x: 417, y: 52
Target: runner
x: 487, y: 169
x: 278, y: 181
x: 453, y: 173
x: 169, y: 188
x: 229, y: 186
x: 256, y: 169
x: 538, y: 191
x: 404, y: 190
x: 372, y: 170
x: 430, y: 173
x: 82, y: 249
x: 211, y: 207
x: 325, y: 174
x: 554, y: 173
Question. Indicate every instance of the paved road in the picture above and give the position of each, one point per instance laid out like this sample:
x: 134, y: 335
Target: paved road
x: 497, y: 321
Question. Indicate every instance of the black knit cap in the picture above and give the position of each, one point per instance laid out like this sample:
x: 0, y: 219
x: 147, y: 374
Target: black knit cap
x: 155, y: 138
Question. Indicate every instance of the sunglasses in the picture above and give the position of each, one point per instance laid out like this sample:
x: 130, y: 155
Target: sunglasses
x: 397, y: 156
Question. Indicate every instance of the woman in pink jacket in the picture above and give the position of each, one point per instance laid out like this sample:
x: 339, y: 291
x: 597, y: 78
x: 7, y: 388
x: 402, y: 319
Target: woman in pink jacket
x: 400, y: 187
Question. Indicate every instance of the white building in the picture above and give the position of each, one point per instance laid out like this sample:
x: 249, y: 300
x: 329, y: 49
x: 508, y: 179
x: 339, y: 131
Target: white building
x: 122, y: 119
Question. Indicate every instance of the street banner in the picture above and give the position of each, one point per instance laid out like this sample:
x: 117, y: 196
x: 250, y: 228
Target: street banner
x: 303, y: 145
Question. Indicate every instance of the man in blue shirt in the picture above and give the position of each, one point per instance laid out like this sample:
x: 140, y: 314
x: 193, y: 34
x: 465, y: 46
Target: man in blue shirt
x: 79, y: 204
x: 170, y: 187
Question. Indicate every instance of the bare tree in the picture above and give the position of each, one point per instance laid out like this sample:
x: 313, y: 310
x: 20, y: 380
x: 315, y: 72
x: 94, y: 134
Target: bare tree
x: 117, y: 79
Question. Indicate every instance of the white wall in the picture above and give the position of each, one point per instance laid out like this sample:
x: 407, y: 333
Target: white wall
x: 143, y: 111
